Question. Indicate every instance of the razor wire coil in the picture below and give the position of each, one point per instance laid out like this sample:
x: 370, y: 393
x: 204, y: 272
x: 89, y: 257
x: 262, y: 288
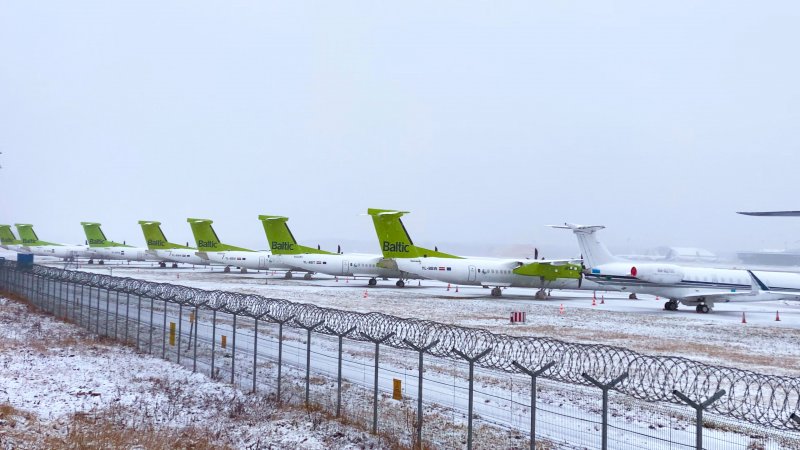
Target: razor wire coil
x: 760, y: 399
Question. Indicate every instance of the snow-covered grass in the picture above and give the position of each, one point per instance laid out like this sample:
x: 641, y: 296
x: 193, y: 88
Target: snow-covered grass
x: 61, y: 387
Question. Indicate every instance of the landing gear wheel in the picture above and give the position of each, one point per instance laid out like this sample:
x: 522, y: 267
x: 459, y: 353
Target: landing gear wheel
x: 91, y: 261
x: 541, y: 294
x: 497, y: 292
x: 671, y: 306
x: 372, y: 282
x: 307, y: 276
x: 101, y: 262
x: 400, y: 283
x: 704, y: 309
x: 632, y: 296
x: 288, y: 275
x: 174, y: 265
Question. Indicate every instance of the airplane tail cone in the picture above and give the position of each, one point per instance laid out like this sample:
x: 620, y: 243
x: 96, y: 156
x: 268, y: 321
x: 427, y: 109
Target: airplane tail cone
x: 777, y: 316
x: 743, y: 318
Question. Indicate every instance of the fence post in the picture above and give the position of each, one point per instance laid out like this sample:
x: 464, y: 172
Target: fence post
x: 127, y: 313
x: 138, y: 320
x: 699, y: 408
x: 61, y: 301
x: 255, y: 349
x: 280, y: 348
x: 605, y: 388
x: 471, y: 362
x: 421, y: 350
x: 194, y: 325
x: 213, y: 340
x: 533, y: 374
x: 164, y: 340
x: 116, y: 316
x: 97, y: 317
x: 108, y: 311
x: 233, y: 351
x: 339, y: 368
x: 180, y: 327
x: 150, y: 343
x: 377, y: 343
x: 309, y: 329
x: 80, y: 308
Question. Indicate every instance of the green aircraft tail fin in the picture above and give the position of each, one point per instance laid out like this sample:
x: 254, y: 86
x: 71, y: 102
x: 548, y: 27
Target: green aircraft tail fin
x: 96, y: 237
x: 7, y: 236
x: 394, y: 239
x: 155, y: 237
x: 281, y: 240
x: 207, y: 239
x: 28, y: 236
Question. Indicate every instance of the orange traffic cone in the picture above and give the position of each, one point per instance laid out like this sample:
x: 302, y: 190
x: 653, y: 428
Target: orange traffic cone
x: 777, y: 316
x: 336, y: 279
x: 743, y: 319
x: 561, y: 309
x: 365, y: 294
x: 346, y: 279
x: 456, y: 288
x: 603, y: 299
x: 448, y: 286
x: 594, y: 301
x: 657, y: 298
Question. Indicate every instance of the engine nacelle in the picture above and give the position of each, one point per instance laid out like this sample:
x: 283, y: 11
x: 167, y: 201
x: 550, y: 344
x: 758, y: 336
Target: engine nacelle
x: 657, y: 273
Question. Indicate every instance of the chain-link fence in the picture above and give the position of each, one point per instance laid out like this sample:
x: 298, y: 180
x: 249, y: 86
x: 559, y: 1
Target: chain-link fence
x: 427, y: 383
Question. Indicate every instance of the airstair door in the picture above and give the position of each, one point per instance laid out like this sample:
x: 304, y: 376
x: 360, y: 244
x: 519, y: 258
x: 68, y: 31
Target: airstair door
x: 262, y: 263
x: 472, y: 274
x: 346, y: 267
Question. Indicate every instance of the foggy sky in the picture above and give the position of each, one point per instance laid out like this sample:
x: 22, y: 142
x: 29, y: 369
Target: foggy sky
x: 486, y: 120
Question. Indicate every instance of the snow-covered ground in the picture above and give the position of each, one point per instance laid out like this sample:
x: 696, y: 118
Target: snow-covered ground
x: 61, y: 387
x: 761, y: 344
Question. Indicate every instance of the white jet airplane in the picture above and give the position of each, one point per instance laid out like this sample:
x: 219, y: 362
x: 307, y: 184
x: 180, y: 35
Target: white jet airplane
x: 701, y: 287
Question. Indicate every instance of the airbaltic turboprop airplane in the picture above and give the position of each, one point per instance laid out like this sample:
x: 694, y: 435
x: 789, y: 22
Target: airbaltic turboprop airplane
x: 396, y: 244
x: 209, y: 246
x: 31, y: 243
x: 286, y: 249
x: 106, y: 249
x: 700, y: 287
x: 8, y: 241
x: 158, y: 244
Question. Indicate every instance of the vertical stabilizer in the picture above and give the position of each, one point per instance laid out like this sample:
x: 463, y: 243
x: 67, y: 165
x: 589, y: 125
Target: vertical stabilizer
x: 207, y: 239
x: 593, y: 251
x: 393, y: 238
x: 28, y: 236
x: 96, y: 237
x: 155, y: 237
x: 281, y: 240
x: 7, y: 236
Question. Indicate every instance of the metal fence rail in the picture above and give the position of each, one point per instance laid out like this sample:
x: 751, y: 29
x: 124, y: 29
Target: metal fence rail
x: 137, y: 311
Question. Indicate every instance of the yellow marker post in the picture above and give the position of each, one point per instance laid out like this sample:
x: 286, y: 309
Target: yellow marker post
x: 224, y: 341
x: 397, y: 392
x: 172, y: 333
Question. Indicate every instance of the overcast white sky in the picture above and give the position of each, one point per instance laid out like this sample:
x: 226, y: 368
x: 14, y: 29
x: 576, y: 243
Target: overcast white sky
x: 487, y: 120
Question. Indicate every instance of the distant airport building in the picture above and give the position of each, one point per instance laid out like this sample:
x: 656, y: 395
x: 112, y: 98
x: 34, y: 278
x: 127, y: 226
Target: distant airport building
x: 789, y: 257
